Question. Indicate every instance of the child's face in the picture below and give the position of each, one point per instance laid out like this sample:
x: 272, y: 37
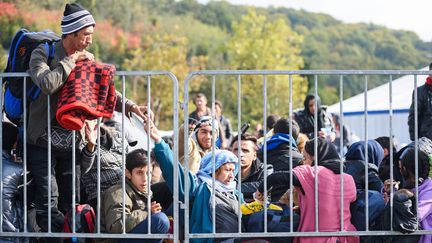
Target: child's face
x: 225, y: 173
x: 138, y: 177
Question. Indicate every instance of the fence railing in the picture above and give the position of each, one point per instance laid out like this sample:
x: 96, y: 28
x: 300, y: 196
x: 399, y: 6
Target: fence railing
x: 214, y: 75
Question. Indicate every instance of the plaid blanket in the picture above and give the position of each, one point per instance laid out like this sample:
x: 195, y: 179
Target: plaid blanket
x: 88, y: 93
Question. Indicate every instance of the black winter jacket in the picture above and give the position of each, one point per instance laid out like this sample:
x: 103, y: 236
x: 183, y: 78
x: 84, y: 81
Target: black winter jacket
x: 424, y: 108
x: 305, y: 119
x: 253, y: 180
x: 280, y: 158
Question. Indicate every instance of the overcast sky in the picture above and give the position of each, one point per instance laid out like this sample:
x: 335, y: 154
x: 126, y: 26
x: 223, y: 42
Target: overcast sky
x: 414, y: 15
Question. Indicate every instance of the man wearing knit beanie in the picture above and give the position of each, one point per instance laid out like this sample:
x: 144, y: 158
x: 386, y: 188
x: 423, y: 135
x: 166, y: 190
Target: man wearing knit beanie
x: 77, y: 27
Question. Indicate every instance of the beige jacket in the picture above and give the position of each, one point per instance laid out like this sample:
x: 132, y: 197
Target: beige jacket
x: 194, y: 153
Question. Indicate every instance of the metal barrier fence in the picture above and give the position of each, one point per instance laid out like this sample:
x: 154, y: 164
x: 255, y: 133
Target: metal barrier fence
x: 98, y: 234
x: 213, y: 75
x: 186, y: 204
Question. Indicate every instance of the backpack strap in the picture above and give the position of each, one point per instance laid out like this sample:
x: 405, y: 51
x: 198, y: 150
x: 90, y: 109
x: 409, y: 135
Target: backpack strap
x: 90, y: 220
x: 34, y: 91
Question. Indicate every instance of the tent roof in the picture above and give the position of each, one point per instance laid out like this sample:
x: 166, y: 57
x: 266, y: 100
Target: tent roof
x: 378, y: 98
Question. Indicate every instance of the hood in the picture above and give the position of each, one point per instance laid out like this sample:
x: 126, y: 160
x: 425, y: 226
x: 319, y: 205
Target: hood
x: 327, y: 154
x: 306, y: 103
x: 374, y: 151
x: 278, y: 139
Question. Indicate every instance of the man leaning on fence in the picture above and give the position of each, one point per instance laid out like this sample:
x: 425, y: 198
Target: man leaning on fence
x: 77, y: 27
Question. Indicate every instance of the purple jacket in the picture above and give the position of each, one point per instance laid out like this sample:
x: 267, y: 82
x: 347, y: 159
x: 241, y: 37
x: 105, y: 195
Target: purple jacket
x: 425, y: 209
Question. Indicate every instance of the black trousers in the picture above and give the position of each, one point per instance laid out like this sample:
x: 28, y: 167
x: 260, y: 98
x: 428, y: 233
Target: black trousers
x: 61, y: 185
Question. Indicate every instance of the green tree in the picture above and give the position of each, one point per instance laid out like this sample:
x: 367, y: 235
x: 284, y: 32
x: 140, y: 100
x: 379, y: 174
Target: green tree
x: 160, y: 52
x: 260, y: 44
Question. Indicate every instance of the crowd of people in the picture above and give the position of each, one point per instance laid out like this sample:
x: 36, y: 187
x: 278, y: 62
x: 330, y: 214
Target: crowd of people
x: 292, y: 156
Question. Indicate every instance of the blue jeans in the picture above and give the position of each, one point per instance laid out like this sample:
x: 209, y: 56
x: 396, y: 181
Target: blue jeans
x: 159, y: 225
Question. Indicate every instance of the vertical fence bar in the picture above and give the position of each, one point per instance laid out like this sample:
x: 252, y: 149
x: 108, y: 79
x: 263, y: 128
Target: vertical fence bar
x: 176, y: 159
x: 123, y: 154
x: 73, y: 183
x: 290, y: 154
x: 1, y: 159
x: 213, y: 155
x: 239, y: 149
x: 366, y: 153
x: 49, y: 160
x: 149, y: 167
x: 316, y: 149
x: 341, y: 144
x: 186, y: 161
x: 24, y: 153
x: 98, y: 151
x: 416, y: 144
x: 391, y: 147
x: 265, y: 152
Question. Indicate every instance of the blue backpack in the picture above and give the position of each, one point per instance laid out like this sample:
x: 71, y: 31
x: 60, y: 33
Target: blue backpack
x: 23, y: 44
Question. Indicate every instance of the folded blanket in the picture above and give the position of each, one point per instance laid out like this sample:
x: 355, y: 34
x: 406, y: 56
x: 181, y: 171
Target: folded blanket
x: 88, y: 93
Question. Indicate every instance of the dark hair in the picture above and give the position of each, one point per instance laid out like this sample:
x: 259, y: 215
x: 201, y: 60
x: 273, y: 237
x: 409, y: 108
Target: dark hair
x: 408, y: 161
x: 137, y: 159
x: 282, y: 126
x: 271, y: 120
x: 200, y: 95
x: 10, y: 135
x: 430, y: 66
x: 219, y: 103
x: 385, y: 143
x: 169, y: 140
x: 245, y: 137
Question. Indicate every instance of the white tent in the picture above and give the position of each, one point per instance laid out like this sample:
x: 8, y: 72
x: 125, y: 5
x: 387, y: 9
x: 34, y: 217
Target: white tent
x: 378, y: 107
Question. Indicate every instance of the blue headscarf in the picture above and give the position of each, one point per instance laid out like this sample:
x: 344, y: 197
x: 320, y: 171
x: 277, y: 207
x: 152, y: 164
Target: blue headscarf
x: 221, y: 157
x: 357, y: 152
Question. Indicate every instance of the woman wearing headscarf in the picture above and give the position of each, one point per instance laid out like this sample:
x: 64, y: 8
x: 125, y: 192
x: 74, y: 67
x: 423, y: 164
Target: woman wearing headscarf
x: 201, y: 187
x: 355, y: 160
x: 329, y: 194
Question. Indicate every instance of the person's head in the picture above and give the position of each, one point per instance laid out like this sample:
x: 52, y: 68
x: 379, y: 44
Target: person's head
x: 375, y: 153
x: 218, y: 108
x: 200, y: 101
x: 10, y: 136
x: 301, y: 141
x: 226, y: 166
x: 137, y: 169
x: 77, y: 26
x: 309, y: 103
x: 326, y: 152
x: 283, y: 126
x: 203, y: 132
x: 336, y: 120
x: 384, y: 141
x: 248, y: 148
x: 271, y: 121
x: 407, y: 166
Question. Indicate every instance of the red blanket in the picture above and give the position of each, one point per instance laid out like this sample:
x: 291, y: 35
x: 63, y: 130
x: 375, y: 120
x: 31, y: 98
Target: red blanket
x: 88, y: 93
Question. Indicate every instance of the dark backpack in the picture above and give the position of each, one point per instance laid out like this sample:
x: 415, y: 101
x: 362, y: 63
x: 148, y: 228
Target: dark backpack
x: 23, y: 44
x: 84, y: 221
